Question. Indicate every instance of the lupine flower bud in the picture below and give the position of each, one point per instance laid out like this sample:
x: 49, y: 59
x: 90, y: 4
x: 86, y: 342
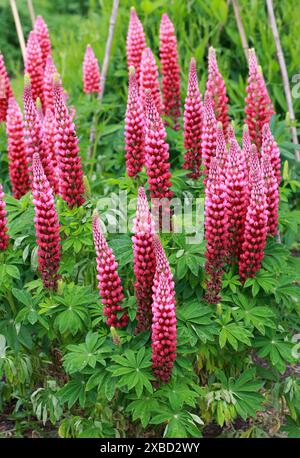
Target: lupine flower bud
x: 4, y: 239
x: 216, y: 231
x: 34, y: 66
x: 246, y: 146
x: 144, y: 261
x: 17, y: 163
x: 35, y: 141
x: 193, y: 120
x: 256, y: 225
x: 270, y: 147
x: 157, y: 152
x: 110, y: 286
x: 135, y: 43
x: 272, y: 194
x: 237, y: 198
x: 90, y: 72
x: 170, y: 70
x: 46, y: 225
x: 149, y: 79
x: 164, y: 332
x: 49, y: 73
x: 5, y: 89
x: 42, y: 33
x: 216, y: 89
x: 71, y: 187
x: 209, y: 134
x: 259, y: 108
x: 134, y: 128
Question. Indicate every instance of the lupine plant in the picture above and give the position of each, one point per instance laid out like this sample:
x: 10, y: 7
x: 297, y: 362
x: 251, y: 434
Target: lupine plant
x: 110, y: 325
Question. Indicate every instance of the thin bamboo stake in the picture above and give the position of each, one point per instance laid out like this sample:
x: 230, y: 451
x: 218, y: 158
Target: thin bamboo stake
x: 15, y: 13
x: 104, y: 69
x: 31, y: 11
x: 240, y: 26
x: 284, y: 73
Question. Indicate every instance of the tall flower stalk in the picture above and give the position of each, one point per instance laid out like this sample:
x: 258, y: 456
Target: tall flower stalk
x: 90, y: 72
x: 170, y: 70
x: 42, y: 34
x: 17, y: 163
x: 144, y: 261
x: 110, y: 286
x: 193, y: 121
x: 270, y: 148
x: 48, y: 87
x: 135, y: 43
x: 46, y: 225
x: 149, y: 79
x: 209, y: 134
x: 272, y: 194
x: 34, y: 66
x: 5, y: 89
x: 134, y: 128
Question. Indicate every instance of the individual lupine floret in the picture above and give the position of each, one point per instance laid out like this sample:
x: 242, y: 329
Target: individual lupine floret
x: 216, y: 89
x: 17, y: 163
x: 272, y: 194
x: 135, y: 43
x: 270, y: 147
x: 5, y: 89
x: 4, y: 238
x: 237, y: 198
x: 256, y: 225
x: 71, y: 187
x: 259, y: 108
x: 42, y: 33
x: 164, y: 333
x: 157, y: 158
x: 134, y: 128
x: 48, y: 87
x: 170, y: 70
x: 149, y: 79
x: 209, y: 134
x: 144, y: 261
x: 193, y: 121
x: 35, y: 141
x: 90, y: 72
x: 110, y: 286
x: 34, y: 66
x: 46, y: 226
x: 216, y: 231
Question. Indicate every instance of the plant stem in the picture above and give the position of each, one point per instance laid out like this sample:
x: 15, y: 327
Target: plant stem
x: 240, y: 27
x: 31, y: 11
x: 284, y: 73
x: 15, y: 13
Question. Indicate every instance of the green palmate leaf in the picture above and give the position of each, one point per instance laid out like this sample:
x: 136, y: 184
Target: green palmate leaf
x: 178, y: 394
x: 276, y: 349
x: 179, y: 424
x: 251, y: 313
x: 87, y: 354
x: 234, y: 333
x: 143, y: 409
x: 72, y: 392
x: 263, y: 280
x: 195, y: 322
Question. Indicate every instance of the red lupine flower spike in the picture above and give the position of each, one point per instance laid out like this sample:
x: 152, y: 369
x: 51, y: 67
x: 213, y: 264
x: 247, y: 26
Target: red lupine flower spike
x: 157, y: 159
x: 46, y: 225
x: 144, y: 261
x: 35, y: 141
x: 134, y: 128
x: 135, y: 43
x: 209, y: 134
x: 164, y: 333
x: 49, y: 133
x: 17, y: 163
x: 272, y: 194
x: 259, y: 108
x: 42, y: 33
x: 4, y: 238
x: 5, y: 89
x: 237, y: 198
x: 110, y: 286
x: 247, y: 146
x: 34, y: 66
x: 149, y: 79
x: 221, y: 150
x: 216, y: 89
x: 193, y: 121
x: 170, y: 70
x: 90, y: 72
x: 71, y: 187
x: 49, y: 72
x: 256, y: 224
x: 270, y: 148
x: 216, y: 231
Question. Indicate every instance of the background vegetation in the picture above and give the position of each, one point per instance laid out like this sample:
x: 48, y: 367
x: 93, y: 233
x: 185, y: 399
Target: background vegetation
x: 61, y: 369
